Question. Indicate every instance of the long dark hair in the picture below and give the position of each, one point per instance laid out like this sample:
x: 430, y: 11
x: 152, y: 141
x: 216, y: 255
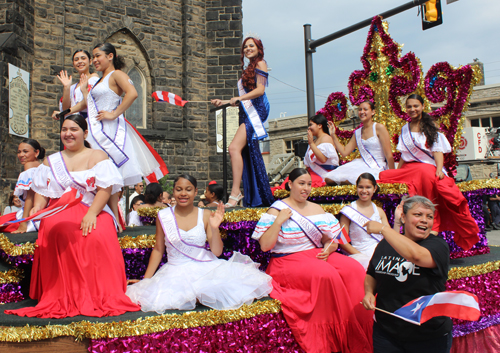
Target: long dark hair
x: 320, y: 120
x: 427, y: 125
x: 248, y: 75
x: 36, y: 146
x: 152, y: 193
x: 108, y: 48
x: 188, y: 177
x: 82, y: 123
x: 294, y: 174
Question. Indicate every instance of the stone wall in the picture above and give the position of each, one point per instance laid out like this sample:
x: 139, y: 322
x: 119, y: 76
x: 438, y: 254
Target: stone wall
x: 187, y: 47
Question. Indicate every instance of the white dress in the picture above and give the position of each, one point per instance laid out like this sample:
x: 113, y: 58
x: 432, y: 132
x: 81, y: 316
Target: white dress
x: 134, y: 219
x: 361, y: 240
x: 353, y: 169
x: 441, y: 145
x: 182, y: 281
x: 142, y: 162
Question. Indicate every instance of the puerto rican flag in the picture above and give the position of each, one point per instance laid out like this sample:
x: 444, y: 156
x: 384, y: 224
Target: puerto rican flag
x: 163, y: 96
x: 342, y: 237
x: 70, y: 198
x: 457, y: 304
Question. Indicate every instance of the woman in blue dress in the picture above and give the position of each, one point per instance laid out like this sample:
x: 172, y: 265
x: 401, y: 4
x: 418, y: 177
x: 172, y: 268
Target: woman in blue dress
x: 246, y: 159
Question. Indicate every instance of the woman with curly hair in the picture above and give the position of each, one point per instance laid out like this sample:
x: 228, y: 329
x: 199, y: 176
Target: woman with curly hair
x: 422, y: 149
x: 246, y: 159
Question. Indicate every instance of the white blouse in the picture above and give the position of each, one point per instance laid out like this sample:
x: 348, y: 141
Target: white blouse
x: 441, y: 145
x: 103, y: 175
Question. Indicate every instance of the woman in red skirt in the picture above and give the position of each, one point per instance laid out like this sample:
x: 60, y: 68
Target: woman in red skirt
x: 422, y: 149
x: 78, y: 267
x: 319, y: 289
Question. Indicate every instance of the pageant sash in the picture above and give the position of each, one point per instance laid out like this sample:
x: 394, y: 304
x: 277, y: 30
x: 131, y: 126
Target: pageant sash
x: 114, y: 147
x: 61, y: 174
x: 360, y: 220
x: 367, y: 157
x: 418, y: 154
x: 310, y: 229
x: 318, y: 168
x: 173, y: 236
x: 253, y: 115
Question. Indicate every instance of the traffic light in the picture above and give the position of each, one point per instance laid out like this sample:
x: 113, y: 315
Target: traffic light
x: 432, y: 15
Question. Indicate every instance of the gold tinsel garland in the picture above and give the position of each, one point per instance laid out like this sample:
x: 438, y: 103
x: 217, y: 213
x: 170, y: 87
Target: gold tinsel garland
x: 149, y: 211
x: 472, y: 271
x: 14, y: 275
x: 138, y: 242
x: 142, y: 326
x: 16, y: 250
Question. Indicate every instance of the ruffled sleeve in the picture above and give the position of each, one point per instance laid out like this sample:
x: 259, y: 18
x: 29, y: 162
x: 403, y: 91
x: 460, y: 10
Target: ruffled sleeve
x: 401, y: 146
x: 261, y: 77
x: 45, y: 184
x: 106, y: 174
x: 329, y: 225
x: 441, y: 145
x: 265, y: 222
x: 327, y: 149
x: 24, y: 181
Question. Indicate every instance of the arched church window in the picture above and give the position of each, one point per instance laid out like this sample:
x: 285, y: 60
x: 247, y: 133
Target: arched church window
x: 136, y: 114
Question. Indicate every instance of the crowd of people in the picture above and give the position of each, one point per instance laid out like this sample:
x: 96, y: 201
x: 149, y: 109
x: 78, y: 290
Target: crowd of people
x: 327, y: 296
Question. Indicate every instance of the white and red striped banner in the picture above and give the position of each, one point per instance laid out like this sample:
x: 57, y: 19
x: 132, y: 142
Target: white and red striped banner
x: 163, y: 96
x: 67, y: 200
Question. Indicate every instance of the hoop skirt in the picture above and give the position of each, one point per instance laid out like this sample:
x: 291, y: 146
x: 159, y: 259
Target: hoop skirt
x: 255, y: 181
x: 182, y: 281
x: 452, y: 210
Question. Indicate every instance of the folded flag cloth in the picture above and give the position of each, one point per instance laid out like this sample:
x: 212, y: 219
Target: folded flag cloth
x: 163, y: 96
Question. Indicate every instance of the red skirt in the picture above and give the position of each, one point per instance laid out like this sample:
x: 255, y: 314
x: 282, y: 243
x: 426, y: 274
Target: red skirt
x: 317, y: 181
x: 321, y: 301
x: 76, y: 275
x: 10, y: 227
x: 452, y: 210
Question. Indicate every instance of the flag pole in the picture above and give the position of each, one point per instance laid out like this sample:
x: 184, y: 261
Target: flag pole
x: 400, y: 317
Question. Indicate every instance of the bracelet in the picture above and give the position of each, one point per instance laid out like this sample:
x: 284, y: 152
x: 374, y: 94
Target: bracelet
x: 381, y: 229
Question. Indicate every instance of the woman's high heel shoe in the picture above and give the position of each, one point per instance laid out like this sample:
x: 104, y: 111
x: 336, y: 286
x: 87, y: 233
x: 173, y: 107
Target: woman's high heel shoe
x: 237, y: 199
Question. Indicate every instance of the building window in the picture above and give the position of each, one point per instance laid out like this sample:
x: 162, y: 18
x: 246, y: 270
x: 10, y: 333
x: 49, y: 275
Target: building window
x: 486, y: 122
x: 136, y: 114
x: 290, y: 145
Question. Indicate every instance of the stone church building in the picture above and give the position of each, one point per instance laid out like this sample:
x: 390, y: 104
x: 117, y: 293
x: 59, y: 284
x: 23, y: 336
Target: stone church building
x: 188, y: 47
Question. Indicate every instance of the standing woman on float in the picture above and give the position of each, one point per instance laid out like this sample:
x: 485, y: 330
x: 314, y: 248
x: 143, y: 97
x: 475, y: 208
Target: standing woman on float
x: 422, y: 149
x: 72, y: 93
x: 374, y: 145
x: 108, y: 128
x: 246, y: 159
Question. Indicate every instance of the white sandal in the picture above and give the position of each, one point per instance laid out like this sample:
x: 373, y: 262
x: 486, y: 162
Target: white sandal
x: 237, y: 199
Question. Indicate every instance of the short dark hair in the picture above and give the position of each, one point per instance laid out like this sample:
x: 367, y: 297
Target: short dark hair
x: 217, y: 189
x: 368, y: 176
x: 152, y: 193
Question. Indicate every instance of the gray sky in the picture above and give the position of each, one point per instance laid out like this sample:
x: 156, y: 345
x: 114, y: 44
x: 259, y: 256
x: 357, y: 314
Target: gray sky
x: 470, y: 30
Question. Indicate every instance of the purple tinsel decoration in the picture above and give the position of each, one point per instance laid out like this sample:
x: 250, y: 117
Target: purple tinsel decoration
x: 136, y: 262
x: 474, y: 326
x: 10, y: 293
x: 262, y: 333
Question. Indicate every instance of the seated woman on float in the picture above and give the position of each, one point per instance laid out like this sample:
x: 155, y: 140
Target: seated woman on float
x: 320, y: 290
x: 193, y: 273
x: 356, y: 215
x: 373, y: 143
x: 321, y: 156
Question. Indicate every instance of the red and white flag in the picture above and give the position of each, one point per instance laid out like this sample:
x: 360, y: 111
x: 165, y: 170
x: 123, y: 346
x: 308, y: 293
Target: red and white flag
x: 67, y: 200
x: 458, y: 304
x: 163, y: 96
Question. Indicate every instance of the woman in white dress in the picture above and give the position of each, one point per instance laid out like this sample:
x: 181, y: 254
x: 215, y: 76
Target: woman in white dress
x: 72, y: 93
x: 108, y: 128
x: 356, y: 215
x: 193, y: 273
x: 374, y: 145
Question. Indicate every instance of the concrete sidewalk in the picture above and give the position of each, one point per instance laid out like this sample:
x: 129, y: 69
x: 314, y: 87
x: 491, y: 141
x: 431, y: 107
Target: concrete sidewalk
x: 493, y: 237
